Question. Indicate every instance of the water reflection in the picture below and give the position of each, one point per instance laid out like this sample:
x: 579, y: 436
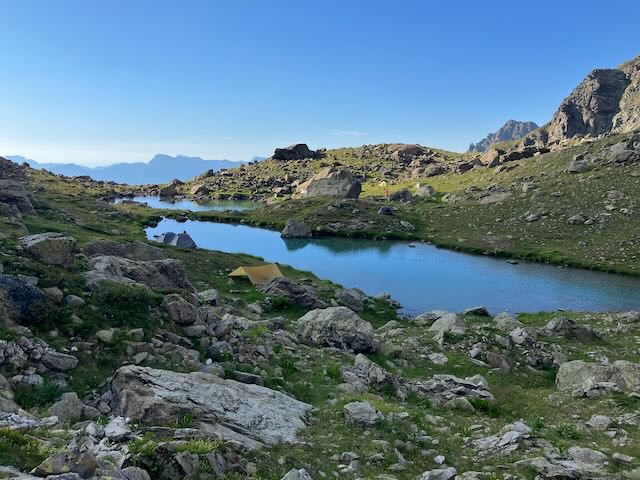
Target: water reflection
x: 424, y: 277
x: 339, y: 246
x: 195, y: 205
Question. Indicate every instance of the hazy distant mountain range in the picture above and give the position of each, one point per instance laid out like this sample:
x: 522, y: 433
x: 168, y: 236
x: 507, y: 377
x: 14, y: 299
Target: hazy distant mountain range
x: 161, y: 169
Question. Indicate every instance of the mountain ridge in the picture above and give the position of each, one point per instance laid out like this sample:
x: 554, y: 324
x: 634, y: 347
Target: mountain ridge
x: 162, y: 168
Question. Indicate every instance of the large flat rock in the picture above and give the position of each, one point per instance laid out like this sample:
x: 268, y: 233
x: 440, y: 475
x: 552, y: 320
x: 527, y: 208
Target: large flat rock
x: 163, y: 275
x: 253, y: 415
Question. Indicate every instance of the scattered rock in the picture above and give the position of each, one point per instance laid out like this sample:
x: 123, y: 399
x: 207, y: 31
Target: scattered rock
x: 425, y: 191
x: 296, y: 292
x: 17, y: 296
x: 449, y: 323
x: 74, y: 301
x: 297, y: 475
x: 584, y: 377
x: 51, y: 248
x: 250, y: 414
x: 337, y: 327
x: 162, y: 275
x: 135, y: 250
x: 403, y: 195
x: 68, y: 409
x: 576, y: 220
x: 331, y: 182
x: 117, y: 429
x: 599, y: 423
x: 439, y: 474
x: 59, y: 361
x: 179, y: 310
x: 84, y: 464
x: 479, y: 311
x: 442, y: 388
x: 299, y: 151
x: 569, y: 328
x: 361, y: 413
x: 506, y: 322
x: 578, y: 165
x: 438, y: 358
x: 209, y: 297
x: 352, y: 298
x: 296, y: 229
x: 54, y: 294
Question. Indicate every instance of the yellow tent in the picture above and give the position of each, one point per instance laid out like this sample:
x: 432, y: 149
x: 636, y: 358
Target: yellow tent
x: 258, y: 274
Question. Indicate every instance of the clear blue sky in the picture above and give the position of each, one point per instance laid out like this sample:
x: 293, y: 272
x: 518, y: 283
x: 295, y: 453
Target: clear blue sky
x: 95, y: 82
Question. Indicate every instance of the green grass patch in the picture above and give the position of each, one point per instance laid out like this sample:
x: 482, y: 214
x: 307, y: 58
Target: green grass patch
x: 37, y: 396
x: 20, y: 450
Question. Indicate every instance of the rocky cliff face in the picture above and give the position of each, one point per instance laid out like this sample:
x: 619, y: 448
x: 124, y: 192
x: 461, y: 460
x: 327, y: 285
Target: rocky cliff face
x: 607, y: 100
x: 512, y: 130
x: 628, y: 118
x: 590, y: 108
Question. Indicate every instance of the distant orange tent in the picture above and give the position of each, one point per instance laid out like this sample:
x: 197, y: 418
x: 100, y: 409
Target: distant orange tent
x: 259, y: 274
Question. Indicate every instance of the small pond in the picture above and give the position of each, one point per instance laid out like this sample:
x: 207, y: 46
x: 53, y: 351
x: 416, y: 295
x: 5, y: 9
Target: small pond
x: 424, y: 277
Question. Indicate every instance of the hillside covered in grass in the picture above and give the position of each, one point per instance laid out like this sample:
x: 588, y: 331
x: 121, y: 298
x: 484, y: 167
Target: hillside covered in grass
x: 127, y: 359
x: 576, y: 206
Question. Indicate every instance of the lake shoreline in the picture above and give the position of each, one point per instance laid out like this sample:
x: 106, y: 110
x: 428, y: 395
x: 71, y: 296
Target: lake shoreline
x: 451, y: 279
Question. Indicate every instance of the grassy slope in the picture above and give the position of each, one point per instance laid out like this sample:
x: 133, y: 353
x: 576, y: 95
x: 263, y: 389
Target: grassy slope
x: 374, y: 168
x: 312, y: 374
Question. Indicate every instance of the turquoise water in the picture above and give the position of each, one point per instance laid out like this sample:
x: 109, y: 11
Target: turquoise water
x: 425, y: 277
x: 196, y: 205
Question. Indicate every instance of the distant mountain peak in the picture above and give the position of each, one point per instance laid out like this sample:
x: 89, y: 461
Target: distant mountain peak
x: 511, y: 130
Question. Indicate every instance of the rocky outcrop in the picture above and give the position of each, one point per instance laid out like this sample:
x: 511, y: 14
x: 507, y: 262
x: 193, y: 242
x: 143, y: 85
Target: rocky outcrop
x: 24, y: 350
x: 171, y: 189
x: 68, y: 409
x: 331, y: 182
x: 296, y: 292
x: 569, y: 328
x: 586, y: 377
x: 512, y: 130
x: 16, y: 296
x: 179, y: 310
x: 200, y: 189
x: 296, y: 229
x: 366, y: 374
x: 607, y: 100
x: 294, y: 474
x: 68, y: 465
x: 337, y: 327
x: 405, y: 153
x: 13, y: 193
x: 162, y: 275
x: 353, y: 298
x: 590, y: 108
x: 628, y: 118
x: 362, y: 414
x: 250, y: 414
x: 442, y: 389
x: 133, y: 250
x: 51, y: 248
x: 299, y: 151
x: 425, y: 191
